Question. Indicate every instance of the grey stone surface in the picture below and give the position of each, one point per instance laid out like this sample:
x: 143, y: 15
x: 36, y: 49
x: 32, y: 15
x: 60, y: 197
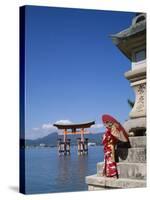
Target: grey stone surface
x: 132, y: 155
x: 132, y: 30
x: 104, y: 182
x: 132, y: 170
x: 131, y: 167
x: 127, y: 170
x: 130, y: 38
x: 94, y: 188
x: 138, y: 141
x: 135, y: 73
x: 135, y: 123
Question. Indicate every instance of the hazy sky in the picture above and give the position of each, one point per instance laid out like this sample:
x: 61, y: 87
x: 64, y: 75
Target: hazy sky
x: 73, y: 70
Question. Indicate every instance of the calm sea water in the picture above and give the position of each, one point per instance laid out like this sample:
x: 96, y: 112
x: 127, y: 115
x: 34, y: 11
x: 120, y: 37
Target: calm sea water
x: 48, y: 172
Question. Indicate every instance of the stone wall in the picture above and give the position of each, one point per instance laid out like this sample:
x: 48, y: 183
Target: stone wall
x: 131, y: 167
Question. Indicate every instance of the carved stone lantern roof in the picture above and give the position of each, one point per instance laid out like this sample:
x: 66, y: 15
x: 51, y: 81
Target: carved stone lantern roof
x: 132, y: 37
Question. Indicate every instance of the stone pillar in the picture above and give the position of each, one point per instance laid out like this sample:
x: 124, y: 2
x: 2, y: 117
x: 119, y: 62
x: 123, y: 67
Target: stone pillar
x: 136, y: 125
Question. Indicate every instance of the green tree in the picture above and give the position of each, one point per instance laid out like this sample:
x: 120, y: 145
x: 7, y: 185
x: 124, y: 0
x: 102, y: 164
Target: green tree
x: 131, y: 103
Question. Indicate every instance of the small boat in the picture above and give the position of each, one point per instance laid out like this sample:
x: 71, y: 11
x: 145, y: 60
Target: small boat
x: 91, y: 144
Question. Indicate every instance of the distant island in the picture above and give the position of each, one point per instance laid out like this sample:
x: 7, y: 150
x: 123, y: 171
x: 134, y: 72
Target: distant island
x: 51, y: 140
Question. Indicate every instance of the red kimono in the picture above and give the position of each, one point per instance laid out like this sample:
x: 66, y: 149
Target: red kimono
x: 110, y: 167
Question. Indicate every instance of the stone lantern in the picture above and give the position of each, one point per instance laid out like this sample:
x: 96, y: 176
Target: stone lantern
x: 131, y: 159
x: 132, y: 43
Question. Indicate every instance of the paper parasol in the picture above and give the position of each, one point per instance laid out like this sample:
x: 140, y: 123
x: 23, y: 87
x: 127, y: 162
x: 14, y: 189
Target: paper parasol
x: 117, y: 129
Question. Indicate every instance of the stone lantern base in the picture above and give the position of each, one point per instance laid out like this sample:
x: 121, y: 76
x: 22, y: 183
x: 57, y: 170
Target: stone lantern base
x: 136, y: 127
x: 131, y: 166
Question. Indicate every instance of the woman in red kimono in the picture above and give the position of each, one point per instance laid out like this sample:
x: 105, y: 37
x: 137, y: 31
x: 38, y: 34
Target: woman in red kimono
x: 113, y: 134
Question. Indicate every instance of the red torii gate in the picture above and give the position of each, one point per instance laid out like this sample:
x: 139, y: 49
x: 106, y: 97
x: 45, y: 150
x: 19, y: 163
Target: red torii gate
x: 64, y: 147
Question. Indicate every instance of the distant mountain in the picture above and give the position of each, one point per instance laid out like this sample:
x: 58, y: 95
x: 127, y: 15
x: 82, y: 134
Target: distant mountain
x: 51, y: 139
